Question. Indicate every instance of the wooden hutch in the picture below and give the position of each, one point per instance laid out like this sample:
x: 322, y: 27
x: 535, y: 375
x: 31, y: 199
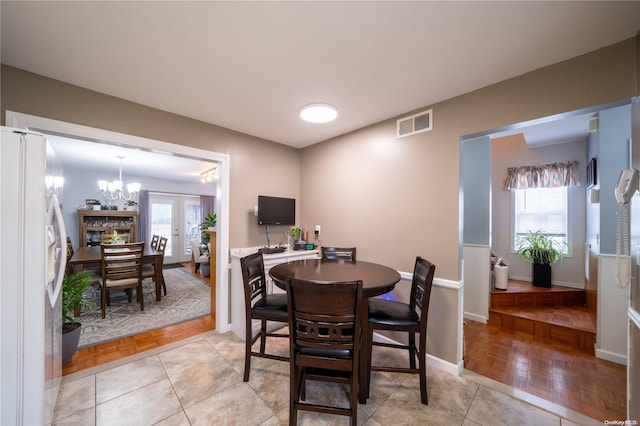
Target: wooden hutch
x: 94, y: 223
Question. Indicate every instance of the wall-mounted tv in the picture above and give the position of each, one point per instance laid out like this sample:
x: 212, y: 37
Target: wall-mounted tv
x: 276, y: 210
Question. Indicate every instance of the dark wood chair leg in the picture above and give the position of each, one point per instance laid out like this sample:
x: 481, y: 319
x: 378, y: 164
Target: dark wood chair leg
x: 247, y: 353
x: 412, y: 350
x: 423, y: 372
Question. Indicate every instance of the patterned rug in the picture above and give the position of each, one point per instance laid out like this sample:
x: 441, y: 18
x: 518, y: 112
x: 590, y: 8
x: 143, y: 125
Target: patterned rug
x: 187, y: 298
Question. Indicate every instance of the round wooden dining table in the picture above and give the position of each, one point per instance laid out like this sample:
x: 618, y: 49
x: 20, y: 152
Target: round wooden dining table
x: 376, y: 280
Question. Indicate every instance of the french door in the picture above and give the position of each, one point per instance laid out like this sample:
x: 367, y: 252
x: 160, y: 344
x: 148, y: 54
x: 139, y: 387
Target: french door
x: 176, y: 217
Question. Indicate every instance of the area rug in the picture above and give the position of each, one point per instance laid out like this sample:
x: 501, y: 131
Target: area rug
x: 172, y: 266
x: 187, y: 298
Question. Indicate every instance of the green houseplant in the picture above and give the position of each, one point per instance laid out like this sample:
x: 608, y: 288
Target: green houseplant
x: 72, y: 287
x: 210, y: 221
x: 116, y: 238
x: 542, y: 251
x: 296, y: 234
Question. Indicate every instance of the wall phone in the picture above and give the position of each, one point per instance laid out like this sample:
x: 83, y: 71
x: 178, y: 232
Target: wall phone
x: 625, y: 190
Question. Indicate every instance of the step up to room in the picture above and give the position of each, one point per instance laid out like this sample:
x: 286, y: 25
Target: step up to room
x: 557, y: 315
x: 521, y: 293
x: 559, y: 325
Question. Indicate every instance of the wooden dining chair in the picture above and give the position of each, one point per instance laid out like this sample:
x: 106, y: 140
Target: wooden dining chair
x: 262, y: 307
x: 154, y: 241
x: 408, y: 318
x: 325, y: 339
x: 336, y: 253
x: 121, y: 270
x: 149, y: 271
x: 69, y: 268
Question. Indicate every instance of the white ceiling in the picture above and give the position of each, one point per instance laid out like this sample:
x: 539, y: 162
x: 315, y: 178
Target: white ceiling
x: 251, y: 66
x: 102, y: 160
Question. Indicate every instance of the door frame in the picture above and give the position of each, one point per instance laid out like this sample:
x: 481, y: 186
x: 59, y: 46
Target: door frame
x: 179, y: 243
x: 174, y: 256
x: 220, y: 292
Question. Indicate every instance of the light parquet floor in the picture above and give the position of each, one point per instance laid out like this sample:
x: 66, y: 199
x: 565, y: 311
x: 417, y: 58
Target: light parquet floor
x: 92, y: 356
x: 559, y: 374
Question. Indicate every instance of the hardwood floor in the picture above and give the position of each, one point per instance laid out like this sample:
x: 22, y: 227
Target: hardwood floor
x: 557, y: 373
x: 117, y: 349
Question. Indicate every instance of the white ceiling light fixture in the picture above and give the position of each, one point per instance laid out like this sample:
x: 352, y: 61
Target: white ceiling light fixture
x: 113, y: 190
x: 318, y: 113
x: 209, y: 175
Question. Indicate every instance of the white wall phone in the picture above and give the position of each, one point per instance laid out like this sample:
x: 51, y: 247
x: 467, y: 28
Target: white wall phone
x: 625, y: 190
x: 627, y: 186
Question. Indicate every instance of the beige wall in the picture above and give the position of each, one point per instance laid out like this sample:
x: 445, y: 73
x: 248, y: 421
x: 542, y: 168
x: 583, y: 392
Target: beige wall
x: 398, y: 198
x: 251, y: 158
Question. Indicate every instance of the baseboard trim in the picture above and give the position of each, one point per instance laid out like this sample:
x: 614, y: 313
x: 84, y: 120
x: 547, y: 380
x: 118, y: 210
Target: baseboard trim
x: 431, y: 360
x: 474, y: 317
x: 611, y: 356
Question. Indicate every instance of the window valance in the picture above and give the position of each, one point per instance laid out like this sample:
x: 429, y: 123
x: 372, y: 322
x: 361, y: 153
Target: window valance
x: 546, y: 176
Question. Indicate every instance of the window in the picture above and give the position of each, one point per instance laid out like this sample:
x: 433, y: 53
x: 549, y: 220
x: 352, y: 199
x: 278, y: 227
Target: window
x: 541, y: 208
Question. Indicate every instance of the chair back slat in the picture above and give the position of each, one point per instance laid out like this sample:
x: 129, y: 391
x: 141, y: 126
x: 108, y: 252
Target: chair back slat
x: 254, y: 278
x: 121, y: 261
x: 162, y: 244
x: 337, y: 253
x: 121, y: 268
x: 154, y: 241
x: 421, y: 286
x: 324, y: 315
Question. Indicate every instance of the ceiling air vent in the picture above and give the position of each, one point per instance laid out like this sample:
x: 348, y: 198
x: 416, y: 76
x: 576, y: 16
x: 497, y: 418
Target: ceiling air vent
x: 416, y: 123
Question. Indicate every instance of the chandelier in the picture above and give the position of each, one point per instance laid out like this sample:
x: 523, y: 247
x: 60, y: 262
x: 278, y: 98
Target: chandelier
x: 113, y: 190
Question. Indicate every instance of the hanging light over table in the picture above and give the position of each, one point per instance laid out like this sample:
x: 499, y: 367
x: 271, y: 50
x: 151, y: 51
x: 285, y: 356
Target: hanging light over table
x: 113, y: 190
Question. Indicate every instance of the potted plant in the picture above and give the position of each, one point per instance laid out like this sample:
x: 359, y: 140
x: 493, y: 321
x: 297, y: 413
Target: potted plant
x: 116, y: 239
x: 209, y: 223
x: 72, y: 287
x: 131, y: 205
x: 296, y: 234
x: 542, y: 251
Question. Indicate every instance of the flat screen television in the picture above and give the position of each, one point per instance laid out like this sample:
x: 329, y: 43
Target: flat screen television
x: 276, y: 210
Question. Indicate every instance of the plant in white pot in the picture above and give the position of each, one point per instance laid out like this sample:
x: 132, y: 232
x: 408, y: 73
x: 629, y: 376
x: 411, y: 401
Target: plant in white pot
x: 72, y: 287
x: 542, y: 251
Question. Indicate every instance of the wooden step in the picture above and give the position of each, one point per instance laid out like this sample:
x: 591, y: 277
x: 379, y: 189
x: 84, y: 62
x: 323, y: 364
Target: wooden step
x: 521, y: 293
x: 562, y: 326
x: 556, y: 315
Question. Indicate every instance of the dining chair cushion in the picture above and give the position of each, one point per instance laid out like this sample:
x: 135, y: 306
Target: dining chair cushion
x: 111, y: 283
x: 392, y: 313
x: 331, y: 353
x: 273, y: 306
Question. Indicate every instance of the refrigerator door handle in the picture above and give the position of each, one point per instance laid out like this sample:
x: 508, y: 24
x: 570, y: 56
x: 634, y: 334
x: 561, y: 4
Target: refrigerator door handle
x: 56, y: 254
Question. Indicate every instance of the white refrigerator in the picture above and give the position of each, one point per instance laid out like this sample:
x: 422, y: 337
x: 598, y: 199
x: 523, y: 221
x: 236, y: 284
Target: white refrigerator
x: 32, y: 263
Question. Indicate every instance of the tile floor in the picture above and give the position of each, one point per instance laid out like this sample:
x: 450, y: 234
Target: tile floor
x: 199, y: 382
